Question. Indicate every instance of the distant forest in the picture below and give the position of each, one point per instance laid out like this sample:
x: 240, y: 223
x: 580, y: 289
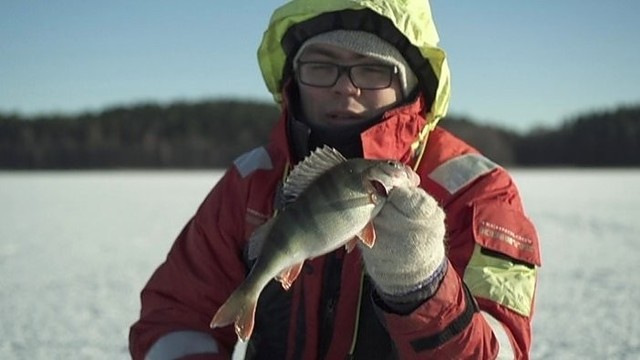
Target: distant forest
x: 210, y: 134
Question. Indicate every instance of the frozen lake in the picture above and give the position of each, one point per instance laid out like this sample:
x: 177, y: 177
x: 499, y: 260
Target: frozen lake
x: 77, y: 247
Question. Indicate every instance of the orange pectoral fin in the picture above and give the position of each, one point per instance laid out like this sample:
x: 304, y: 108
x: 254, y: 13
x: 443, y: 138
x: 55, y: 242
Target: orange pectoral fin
x: 368, y: 235
x: 288, y: 276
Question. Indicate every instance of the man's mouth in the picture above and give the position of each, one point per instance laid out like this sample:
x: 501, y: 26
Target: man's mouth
x: 342, y: 115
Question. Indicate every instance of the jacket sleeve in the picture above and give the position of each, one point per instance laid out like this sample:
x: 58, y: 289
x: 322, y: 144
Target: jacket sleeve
x: 202, y: 268
x: 483, y: 306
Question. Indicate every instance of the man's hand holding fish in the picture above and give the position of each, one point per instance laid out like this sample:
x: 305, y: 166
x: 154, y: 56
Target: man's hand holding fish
x: 407, y: 261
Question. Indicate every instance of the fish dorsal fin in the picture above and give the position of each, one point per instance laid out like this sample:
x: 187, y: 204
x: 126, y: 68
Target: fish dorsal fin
x: 309, y: 169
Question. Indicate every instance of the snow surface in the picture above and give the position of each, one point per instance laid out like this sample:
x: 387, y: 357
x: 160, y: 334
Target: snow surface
x: 77, y: 247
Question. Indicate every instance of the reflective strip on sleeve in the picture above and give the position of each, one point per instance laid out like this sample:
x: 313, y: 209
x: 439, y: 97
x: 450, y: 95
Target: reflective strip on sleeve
x: 501, y: 280
x: 177, y: 344
x: 456, y: 173
x: 256, y: 159
x: 506, y: 349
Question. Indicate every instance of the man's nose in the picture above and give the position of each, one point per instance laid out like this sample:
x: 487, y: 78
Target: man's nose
x: 344, y: 85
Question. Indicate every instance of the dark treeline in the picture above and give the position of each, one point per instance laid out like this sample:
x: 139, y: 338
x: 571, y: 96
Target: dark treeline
x: 180, y: 135
x: 210, y: 134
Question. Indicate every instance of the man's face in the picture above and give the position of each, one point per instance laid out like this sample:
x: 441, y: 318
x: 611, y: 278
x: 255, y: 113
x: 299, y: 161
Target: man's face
x: 343, y: 103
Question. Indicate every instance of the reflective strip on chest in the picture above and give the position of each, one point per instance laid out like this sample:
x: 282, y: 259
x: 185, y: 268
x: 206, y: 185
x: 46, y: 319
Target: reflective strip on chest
x: 256, y: 159
x: 460, y: 171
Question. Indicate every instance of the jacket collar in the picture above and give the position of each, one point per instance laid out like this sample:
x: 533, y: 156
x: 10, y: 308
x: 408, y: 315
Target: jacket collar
x: 392, y: 137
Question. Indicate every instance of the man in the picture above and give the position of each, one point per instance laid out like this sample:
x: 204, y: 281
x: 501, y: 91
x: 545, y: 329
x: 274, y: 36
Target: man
x: 452, y: 274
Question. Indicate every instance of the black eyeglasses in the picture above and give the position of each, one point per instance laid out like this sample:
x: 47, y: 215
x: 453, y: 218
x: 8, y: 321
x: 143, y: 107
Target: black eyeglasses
x: 362, y: 76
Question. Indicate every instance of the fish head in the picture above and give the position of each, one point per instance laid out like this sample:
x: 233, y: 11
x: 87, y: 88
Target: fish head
x: 385, y: 175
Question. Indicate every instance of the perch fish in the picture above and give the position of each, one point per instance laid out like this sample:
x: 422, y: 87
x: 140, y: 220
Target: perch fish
x: 331, y: 203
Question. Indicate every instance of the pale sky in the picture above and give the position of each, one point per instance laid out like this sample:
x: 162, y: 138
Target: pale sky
x: 518, y: 64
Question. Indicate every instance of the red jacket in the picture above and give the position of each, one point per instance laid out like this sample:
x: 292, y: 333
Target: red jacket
x: 330, y: 311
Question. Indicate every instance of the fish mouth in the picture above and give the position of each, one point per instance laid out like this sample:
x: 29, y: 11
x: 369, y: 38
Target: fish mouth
x: 414, y: 178
x: 393, y: 174
x: 405, y: 171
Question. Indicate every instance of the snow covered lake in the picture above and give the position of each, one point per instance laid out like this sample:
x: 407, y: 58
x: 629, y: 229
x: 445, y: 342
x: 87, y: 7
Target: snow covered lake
x: 77, y: 247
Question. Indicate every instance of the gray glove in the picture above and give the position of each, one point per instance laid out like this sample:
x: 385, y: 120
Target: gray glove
x: 407, y: 261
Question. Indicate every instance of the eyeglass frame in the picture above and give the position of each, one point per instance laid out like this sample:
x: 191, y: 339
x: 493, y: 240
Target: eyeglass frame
x: 346, y: 69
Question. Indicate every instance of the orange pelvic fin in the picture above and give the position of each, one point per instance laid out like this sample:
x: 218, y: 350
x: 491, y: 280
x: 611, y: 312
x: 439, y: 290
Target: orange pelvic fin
x: 289, y: 275
x: 236, y: 312
x: 368, y: 235
x: 351, y: 244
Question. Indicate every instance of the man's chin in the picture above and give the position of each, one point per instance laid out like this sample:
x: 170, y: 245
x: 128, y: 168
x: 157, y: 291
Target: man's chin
x: 339, y: 122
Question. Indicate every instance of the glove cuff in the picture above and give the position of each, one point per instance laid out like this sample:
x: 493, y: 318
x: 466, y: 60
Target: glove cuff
x: 406, y: 302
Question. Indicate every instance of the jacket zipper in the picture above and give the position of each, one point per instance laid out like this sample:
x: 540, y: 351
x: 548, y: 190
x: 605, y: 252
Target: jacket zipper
x: 331, y: 289
x: 357, y: 320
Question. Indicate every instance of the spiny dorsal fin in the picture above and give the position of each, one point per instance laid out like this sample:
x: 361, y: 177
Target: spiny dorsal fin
x: 309, y: 169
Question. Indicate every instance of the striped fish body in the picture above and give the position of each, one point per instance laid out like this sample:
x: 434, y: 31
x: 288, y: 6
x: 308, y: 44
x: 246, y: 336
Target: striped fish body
x: 340, y: 203
x: 333, y: 201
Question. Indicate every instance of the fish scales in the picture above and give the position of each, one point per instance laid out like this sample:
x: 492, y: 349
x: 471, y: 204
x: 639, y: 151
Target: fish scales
x: 337, y: 202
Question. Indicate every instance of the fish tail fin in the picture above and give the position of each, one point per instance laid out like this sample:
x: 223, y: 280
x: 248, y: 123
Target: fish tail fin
x: 239, y: 311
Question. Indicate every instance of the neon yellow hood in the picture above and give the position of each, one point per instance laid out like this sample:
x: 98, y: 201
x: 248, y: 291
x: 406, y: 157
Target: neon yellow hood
x: 299, y: 20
